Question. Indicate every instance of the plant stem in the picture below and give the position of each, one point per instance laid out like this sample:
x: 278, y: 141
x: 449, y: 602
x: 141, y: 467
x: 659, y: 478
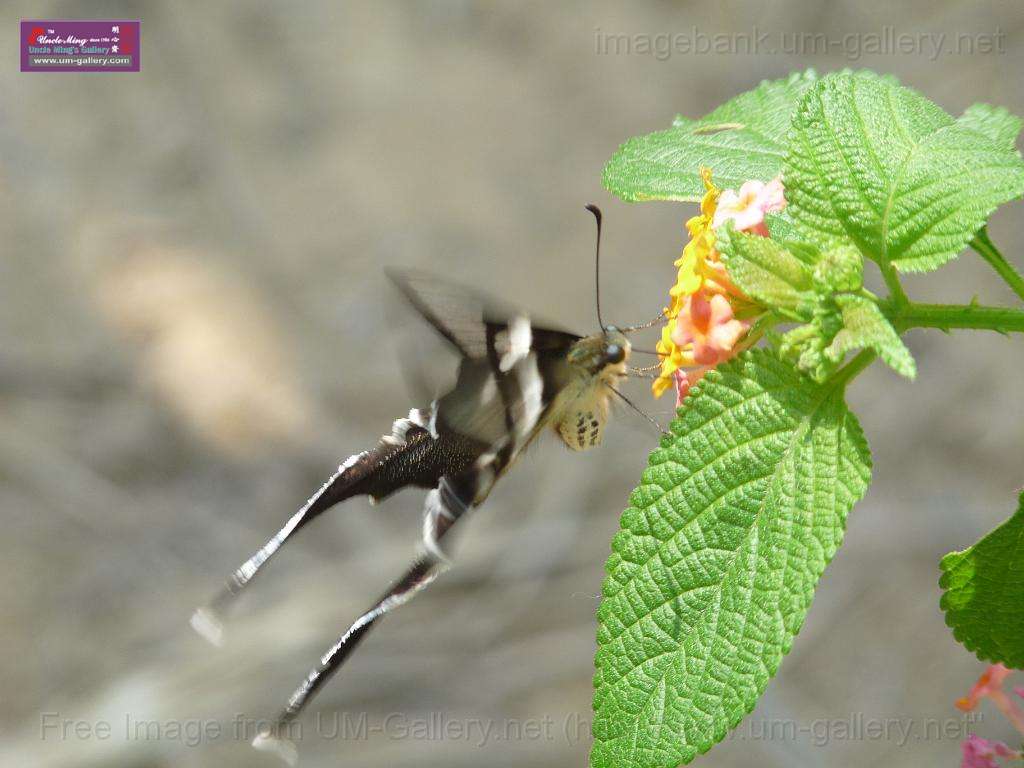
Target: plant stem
x: 863, y: 359
x: 949, y: 316
x: 892, y: 282
x: 987, y: 250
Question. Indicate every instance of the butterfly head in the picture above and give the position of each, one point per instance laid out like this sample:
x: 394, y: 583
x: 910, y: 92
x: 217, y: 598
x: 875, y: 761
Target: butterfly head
x: 605, y: 352
x: 599, y: 362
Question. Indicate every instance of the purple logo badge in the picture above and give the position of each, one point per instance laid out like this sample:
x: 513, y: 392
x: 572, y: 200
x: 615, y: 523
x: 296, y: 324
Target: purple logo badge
x: 79, y: 46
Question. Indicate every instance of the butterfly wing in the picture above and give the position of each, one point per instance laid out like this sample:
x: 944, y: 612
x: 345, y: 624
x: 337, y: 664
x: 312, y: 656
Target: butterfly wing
x: 514, y: 378
x: 510, y: 374
x: 464, y: 317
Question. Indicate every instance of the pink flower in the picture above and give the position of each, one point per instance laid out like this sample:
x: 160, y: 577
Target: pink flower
x: 1019, y: 690
x: 709, y: 325
x: 684, y: 379
x: 981, y: 753
x: 747, y: 208
x: 990, y: 686
x: 990, y: 682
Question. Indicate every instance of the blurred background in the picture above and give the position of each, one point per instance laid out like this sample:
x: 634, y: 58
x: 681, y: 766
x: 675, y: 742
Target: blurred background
x: 195, y: 328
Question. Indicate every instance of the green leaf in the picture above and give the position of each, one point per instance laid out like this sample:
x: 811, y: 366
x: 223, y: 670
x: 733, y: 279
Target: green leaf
x: 802, y: 284
x: 880, y: 165
x: 743, y: 139
x: 984, y: 593
x: 781, y: 227
x: 839, y: 269
x: 715, y: 564
x: 767, y: 272
x: 806, y: 346
x: 864, y: 326
x: 995, y: 122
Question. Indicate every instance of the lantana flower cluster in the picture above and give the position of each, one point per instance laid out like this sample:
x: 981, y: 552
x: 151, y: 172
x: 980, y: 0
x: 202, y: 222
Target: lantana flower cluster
x: 708, y: 315
x: 978, y: 752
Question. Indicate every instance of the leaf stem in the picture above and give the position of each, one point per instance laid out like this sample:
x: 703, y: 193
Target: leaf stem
x: 863, y: 359
x: 950, y: 316
x: 892, y: 282
x: 988, y: 251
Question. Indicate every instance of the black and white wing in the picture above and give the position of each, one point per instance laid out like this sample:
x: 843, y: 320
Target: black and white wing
x: 510, y: 379
x: 510, y: 373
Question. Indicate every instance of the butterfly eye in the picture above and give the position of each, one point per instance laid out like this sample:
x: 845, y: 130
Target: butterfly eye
x: 613, y: 354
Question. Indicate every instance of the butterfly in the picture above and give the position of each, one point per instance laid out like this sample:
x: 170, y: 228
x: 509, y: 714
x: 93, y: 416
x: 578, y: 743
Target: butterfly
x: 515, y: 381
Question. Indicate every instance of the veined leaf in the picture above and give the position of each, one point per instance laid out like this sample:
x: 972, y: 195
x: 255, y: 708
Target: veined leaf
x: 743, y: 139
x: 717, y: 558
x: 984, y: 593
x: 767, y: 272
x: 781, y: 227
x: 995, y: 122
x: 838, y: 320
x: 878, y: 164
x: 864, y: 326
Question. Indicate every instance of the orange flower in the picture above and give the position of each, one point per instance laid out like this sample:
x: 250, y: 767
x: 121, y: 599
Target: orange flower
x: 708, y: 327
x: 701, y: 330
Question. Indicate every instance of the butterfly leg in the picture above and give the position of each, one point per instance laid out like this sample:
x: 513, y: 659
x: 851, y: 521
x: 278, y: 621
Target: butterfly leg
x: 445, y: 506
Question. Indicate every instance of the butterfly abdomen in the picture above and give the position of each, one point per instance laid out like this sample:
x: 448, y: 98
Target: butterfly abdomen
x: 582, y: 427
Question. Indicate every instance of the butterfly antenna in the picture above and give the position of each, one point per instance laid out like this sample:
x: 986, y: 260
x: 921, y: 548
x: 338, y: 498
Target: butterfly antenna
x: 597, y: 262
x: 660, y: 317
x: 639, y: 410
x: 645, y: 369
